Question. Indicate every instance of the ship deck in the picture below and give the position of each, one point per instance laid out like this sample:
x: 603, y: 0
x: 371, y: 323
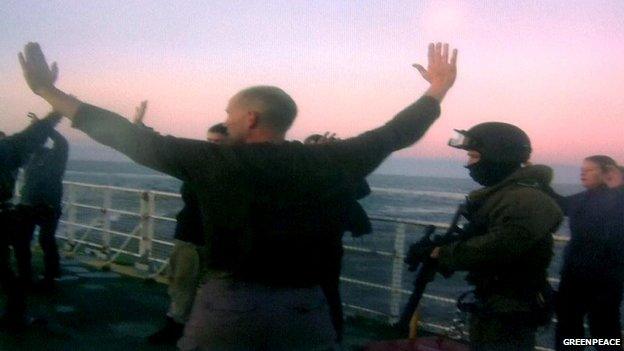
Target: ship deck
x: 108, y: 309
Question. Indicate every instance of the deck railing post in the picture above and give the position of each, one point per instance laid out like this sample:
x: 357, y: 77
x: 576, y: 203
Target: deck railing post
x: 397, y: 272
x: 17, y: 190
x: 147, y: 233
x: 71, y: 218
x: 106, y: 234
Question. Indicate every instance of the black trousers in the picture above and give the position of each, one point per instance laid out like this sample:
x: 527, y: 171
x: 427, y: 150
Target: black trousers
x: 599, y: 300
x: 502, y: 332
x: 16, y: 298
x: 46, y: 218
x: 331, y: 290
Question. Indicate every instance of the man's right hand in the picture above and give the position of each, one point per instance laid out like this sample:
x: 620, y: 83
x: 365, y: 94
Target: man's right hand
x: 39, y: 76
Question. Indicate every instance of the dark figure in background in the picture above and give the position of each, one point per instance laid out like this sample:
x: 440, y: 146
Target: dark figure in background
x: 593, y: 263
x: 14, y: 152
x: 511, y: 221
x: 41, y: 197
x: 261, y: 198
x: 615, y: 177
x: 356, y: 222
x: 186, y: 260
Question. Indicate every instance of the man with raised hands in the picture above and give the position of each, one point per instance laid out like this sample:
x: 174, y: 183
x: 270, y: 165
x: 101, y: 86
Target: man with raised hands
x: 260, y: 198
x: 15, y: 151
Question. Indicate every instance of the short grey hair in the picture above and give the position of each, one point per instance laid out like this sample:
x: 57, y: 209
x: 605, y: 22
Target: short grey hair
x: 277, y: 109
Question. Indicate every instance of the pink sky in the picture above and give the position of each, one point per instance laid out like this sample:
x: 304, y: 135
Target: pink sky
x: 556, y: 69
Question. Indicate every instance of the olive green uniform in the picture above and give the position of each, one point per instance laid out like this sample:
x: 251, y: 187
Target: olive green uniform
x: 507, y: 259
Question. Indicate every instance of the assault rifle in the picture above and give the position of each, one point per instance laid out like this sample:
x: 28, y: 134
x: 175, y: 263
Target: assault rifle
x: 419, y: 259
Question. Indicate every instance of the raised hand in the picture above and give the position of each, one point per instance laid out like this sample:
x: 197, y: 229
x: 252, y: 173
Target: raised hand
x: 440, y: 72
x: 33, y: 116
x: 39, y: 76
x: 328, y: 138
x: 321, y: 139
x: 52, y: 116
x: 139, y: 113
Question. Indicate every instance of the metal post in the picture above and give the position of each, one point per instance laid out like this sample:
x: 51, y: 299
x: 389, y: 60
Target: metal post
x: 17, y: 191
x: 71, y: 218
x: 397, y: 272
x: 106, y: 235
x: 147, y: 233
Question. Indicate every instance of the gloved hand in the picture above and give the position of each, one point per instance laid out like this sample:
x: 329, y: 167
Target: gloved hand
x: 417, y: 253
x: 420, y: 250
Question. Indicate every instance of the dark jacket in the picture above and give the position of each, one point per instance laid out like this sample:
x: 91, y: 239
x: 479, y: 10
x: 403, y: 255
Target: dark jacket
x: 261, y: 203
x: 43, y: 177
x: 15, y: 150
x: 596, y: 234
x: 357, y: 221
x: 507, y: 259
x: 189, y: 221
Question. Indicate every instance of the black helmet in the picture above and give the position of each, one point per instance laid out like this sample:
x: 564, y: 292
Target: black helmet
x: 495, y: 141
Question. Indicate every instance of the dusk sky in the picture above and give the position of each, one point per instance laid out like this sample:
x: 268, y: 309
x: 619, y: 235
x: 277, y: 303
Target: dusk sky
x: 554, y: 68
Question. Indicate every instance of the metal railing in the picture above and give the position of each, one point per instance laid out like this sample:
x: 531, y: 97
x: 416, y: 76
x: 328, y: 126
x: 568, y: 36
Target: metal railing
x: 135, y: 227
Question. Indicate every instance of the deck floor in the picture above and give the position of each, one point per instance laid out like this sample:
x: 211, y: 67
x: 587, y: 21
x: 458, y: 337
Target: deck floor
x: 94, y: 309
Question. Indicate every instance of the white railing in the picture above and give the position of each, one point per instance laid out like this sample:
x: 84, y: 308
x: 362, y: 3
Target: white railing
x: 135, y: 227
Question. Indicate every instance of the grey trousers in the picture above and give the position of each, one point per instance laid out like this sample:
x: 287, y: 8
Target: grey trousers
x: 234, y: 315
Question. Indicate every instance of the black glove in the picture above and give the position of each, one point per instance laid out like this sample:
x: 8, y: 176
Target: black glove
x: 417, y: 253
x: 420, y: 250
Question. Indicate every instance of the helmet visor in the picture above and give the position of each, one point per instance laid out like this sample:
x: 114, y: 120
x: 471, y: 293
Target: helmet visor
x: 461, y: 140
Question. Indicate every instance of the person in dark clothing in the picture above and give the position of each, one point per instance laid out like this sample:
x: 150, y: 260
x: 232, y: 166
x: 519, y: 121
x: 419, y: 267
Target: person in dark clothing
x: 41, y: 195
x: 592, y: 274
x: 14, y: 152
x: 356, y: 222
x: 615, y: 177
x: 261, y: 199
x: 185, y: 260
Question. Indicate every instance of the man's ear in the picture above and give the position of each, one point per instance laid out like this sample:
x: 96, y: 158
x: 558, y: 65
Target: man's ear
x: 253, y: 119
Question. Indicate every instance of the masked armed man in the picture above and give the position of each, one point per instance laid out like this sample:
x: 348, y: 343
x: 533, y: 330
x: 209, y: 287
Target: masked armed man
x: 511, y: 221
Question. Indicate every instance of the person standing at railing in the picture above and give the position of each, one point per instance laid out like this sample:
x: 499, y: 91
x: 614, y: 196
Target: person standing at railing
x: 185, y: 260
x: 592, y: 276
x: 261, y: 198
x: 509, y: 244
x: 14, y: 152
x: 356, y: 222
x: 41, y: 194
x: 7, y: 179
